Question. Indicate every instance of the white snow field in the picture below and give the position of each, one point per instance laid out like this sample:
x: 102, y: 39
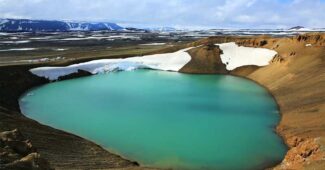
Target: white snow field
x: 153, y: 44
x: 14, y: 42
x: 167, y: 62
x: 20, y: 49
x: 235, y: 56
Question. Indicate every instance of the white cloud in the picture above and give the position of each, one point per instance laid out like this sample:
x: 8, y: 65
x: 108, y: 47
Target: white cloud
x: 218, y: 13
x: 245, y: 19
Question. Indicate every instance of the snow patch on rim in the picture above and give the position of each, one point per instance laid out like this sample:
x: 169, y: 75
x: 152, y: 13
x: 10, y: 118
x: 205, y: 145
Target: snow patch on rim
x: 235, y: 56
x: 167, y: 62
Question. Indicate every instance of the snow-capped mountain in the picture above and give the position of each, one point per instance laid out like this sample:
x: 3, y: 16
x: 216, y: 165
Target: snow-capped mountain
x: 161, y: 29
x: 26, y: 25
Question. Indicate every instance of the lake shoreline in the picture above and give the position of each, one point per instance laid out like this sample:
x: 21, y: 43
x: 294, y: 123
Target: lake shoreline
x: 18, y: 79
x: 259, y: 105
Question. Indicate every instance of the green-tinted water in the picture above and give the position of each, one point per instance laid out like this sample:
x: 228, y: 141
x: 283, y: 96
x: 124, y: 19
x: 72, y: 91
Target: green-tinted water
x: 165, y: 119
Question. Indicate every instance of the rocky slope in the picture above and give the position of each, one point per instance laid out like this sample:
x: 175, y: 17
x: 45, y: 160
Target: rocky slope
x: 205, y: 59
x: 18, y: 153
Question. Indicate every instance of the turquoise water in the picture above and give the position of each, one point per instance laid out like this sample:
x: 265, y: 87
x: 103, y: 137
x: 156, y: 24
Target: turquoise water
x: 165, y: 119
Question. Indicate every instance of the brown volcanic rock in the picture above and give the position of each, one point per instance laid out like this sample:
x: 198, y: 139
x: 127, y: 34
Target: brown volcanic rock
x: 205, y: 60
x: 305, y: 152
x: 33, y: 161
x: 61, y: 149
x: 313, y: 38
x: 18, y: 153
x: 244, y: 70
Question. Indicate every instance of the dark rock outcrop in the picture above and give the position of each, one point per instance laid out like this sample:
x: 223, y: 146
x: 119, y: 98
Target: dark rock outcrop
x: 277, y: 59
x: 14, y: 81
x: 313, y: 38
x: 80, y: 73
x: 18, y: 153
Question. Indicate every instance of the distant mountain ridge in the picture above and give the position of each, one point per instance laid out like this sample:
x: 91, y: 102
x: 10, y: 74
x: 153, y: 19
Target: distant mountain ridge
x: 297, y: 28
x: 161, y: 29
x: 26, y: 25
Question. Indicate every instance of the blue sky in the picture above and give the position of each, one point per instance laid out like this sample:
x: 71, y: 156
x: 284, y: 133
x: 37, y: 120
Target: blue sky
x: 176, y: 13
